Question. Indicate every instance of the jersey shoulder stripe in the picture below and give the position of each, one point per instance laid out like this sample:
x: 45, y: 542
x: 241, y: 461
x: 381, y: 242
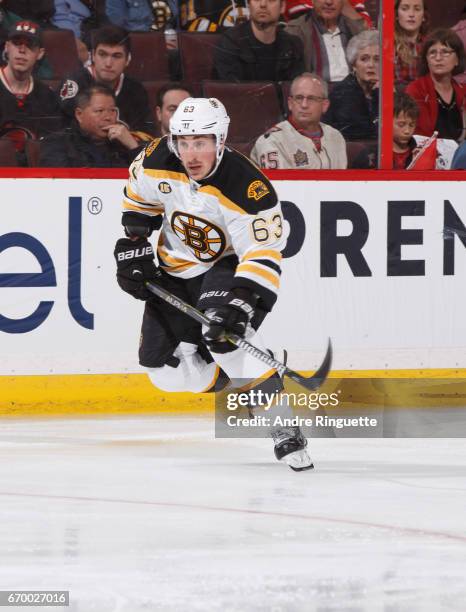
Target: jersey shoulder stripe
x: 242, y: 183
x: 157, y: 156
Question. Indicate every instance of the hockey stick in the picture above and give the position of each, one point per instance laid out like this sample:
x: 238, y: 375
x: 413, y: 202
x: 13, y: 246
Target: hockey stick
x: 311, y: 383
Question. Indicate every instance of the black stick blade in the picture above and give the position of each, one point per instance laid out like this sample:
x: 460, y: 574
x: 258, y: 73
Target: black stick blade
x: 318, y: 378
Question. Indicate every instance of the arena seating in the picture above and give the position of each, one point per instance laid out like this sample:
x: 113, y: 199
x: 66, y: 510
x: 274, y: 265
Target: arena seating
x: 149, y: 57
x: 32, y: 150
x: 197, y: 55
x: 253, y: 107
x: 7, y: 153
x: 360, y: 153
x: 242, y: 147
x: 444, y: 15
x: 61, y: 52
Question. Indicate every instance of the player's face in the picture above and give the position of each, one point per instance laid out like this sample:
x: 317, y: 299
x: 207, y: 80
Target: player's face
x: 403, y: 130
x: 97, y: 115
x: 410, y: 14
x: 328, y: 9
x: 366, y: 66
x: 198, y: 155
x: 171, y: 100
x: 265, y: 12
x: 110, y: 62
x: 307, y: 102
x: 22, y: 55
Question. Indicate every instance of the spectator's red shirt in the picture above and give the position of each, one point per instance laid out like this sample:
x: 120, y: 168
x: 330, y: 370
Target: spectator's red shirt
x: 423, y: 92
x: 294, y: 8
x: 401, y: 160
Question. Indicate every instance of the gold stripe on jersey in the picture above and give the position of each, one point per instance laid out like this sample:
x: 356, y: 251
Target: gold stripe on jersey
x: 147, y: 209
x: 166, y: 174
x: 173, y: 263
x: 150, y: 210
x: 129, y: 193
x: 269, y: 275
x: 222, y: 199
x: 263, y: 254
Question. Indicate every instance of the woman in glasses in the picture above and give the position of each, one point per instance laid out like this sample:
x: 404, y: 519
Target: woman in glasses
x: 354, y: 102
x: 411, y: 26
x: 440, y: 98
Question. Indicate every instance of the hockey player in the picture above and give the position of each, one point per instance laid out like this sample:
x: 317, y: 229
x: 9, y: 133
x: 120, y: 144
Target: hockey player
x: 219, y: 249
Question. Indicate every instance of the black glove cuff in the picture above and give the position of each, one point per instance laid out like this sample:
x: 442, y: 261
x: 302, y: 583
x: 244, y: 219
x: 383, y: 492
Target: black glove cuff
x: 141, y: 226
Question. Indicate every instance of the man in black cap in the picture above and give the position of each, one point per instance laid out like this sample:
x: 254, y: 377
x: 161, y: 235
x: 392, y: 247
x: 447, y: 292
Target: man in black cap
x: 24, y: 100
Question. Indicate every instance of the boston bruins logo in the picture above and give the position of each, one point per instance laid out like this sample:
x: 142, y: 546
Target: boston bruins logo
x: 206, y: 240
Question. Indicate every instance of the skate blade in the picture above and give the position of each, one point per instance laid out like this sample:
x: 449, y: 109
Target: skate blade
x: 299, y: 461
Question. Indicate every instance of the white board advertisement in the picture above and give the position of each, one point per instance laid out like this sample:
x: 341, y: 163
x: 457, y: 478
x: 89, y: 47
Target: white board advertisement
x: 380, y: 267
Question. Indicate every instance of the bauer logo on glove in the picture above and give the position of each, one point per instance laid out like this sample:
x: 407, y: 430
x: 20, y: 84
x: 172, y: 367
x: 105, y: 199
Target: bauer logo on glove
x: 135, y: 266
x: 133, y: 253
x: 232, y: 317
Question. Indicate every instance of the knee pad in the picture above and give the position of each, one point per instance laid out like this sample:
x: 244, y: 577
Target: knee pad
x: 192, y: 373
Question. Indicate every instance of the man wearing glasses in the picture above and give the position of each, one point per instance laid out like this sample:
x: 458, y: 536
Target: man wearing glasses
x: 302, y: 141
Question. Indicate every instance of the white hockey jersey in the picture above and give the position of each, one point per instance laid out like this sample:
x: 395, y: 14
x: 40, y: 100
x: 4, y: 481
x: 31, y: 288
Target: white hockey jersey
x: 235, y: 211
x: 284, y: 147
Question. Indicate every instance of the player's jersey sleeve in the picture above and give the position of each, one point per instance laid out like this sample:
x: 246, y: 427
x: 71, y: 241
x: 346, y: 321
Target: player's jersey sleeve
x: 258, y: 241
x: 141, y: 195
x: 255, y: 224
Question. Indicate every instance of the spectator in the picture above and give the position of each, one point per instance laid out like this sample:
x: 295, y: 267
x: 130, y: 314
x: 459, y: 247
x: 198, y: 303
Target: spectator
x: 38, y: 11
x: 168, y: 99
x: 296, y: 8
x: 23, y: 98
x: 258, y: 50
x: 110, y: 57
x: 440, y: 98
x: 354, y: 103
x: 79, y: 16
x: 212, y: 15
x: 42, y: 69
x: 95, y: 138
x: 69, y: 15
x: 325, y: 32
x: 302, y: 141
x: 410, y: 31
x: 143, y: 15
x: 405, y: 114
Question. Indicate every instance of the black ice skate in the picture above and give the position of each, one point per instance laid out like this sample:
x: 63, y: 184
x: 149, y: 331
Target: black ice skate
x: 290, y: 447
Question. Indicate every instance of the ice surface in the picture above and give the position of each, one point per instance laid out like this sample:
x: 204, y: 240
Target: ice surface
x: 137, y: 514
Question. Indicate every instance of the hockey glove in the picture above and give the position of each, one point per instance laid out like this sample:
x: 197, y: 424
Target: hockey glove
x: 233, y: 317
x: 135, y: 265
